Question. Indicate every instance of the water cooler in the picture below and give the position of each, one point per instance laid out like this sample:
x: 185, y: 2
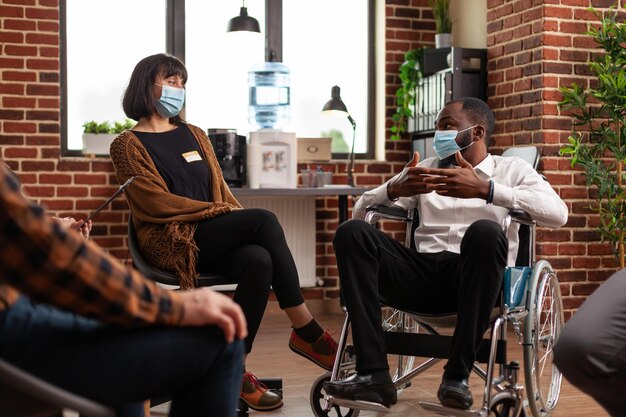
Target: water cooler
x: 272, y: 159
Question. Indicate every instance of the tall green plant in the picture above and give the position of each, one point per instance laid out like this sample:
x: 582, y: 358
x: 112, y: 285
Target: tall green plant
x: 410, y: 74
x: 441, y: 13
x: 598, y: 132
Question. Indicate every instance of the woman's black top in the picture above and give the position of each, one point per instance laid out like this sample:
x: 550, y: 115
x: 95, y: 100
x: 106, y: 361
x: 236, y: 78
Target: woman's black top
x: 180, y: 161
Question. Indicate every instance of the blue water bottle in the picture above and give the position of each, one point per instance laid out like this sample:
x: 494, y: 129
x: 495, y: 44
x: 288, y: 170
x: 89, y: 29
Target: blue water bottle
x: 269, y: 95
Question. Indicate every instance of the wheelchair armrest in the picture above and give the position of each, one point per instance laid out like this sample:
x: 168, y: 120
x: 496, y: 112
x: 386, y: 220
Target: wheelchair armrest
x: 386, y: 212
x: 520, y: 216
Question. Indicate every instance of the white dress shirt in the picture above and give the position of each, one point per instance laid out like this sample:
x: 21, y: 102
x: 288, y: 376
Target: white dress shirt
x: 444, y: 220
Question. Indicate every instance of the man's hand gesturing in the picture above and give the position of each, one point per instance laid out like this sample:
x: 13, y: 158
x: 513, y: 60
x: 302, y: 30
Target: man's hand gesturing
x: 460, y: 182
x: 410, y: 182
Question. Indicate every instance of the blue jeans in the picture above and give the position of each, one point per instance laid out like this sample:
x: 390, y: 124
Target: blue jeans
x: 120, y: 367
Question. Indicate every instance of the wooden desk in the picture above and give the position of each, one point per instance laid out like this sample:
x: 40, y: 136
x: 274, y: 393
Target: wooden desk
x: 295, y: 210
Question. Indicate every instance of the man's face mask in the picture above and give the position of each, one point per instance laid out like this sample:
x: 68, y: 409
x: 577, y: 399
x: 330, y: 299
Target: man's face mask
x: 445, y: 144
x: 171, y: 101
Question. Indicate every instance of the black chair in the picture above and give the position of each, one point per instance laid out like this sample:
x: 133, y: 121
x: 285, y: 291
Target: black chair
x: 204, y: 280
x: 25, y: 395
x: 165, y: 277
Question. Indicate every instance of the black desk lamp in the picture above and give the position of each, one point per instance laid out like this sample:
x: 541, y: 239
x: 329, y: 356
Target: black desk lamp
x: 336, y: 106
x: 243, y: 22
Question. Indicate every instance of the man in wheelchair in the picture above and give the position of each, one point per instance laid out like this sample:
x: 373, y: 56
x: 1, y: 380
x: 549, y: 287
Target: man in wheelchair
x: 461, y: 251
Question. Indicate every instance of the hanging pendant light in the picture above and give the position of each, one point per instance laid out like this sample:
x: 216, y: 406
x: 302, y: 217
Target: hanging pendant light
x: 243, y: 22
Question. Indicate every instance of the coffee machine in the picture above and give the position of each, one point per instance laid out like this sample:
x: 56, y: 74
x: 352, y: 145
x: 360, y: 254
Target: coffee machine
x: 230, y: 149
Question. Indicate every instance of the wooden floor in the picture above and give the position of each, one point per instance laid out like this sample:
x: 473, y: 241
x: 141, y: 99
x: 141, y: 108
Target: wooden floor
x: 271, y: 357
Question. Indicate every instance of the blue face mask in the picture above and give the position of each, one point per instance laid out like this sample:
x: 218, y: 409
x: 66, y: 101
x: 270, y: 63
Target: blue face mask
x: 171, y: 101
x: 445, y: 142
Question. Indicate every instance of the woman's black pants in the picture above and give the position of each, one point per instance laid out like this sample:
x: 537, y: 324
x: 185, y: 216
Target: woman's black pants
x: 249, y: 245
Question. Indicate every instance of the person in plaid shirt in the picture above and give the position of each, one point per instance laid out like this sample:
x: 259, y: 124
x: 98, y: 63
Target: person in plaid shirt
x: 75, y: 316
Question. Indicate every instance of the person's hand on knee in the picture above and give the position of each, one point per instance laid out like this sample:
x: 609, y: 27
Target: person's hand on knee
x: 204, y: 306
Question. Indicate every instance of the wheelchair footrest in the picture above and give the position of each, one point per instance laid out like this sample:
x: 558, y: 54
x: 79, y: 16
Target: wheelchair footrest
x: 449, y: 411
x: 436, y: 346
x: 358, y: 405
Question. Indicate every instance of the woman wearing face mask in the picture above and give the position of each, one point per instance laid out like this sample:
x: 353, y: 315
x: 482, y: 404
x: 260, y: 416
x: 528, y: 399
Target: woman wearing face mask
x: 187, y: 219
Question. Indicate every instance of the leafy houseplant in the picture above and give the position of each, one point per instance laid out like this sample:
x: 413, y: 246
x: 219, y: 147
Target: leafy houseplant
x: 598, y: 132
x: 97, y: 137
x: 410, y: 74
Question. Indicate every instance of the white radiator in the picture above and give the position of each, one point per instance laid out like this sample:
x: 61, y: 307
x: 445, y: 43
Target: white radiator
x: 297, y: 217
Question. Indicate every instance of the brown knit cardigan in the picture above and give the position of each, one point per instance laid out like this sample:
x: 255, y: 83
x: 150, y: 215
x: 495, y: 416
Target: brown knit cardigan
x: 165, y: 222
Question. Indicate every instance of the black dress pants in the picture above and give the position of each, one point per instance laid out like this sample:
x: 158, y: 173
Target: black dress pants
x: 371, y: 263
x: 249, y: 245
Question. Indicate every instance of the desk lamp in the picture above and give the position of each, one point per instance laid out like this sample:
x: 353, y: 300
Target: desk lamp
x: 243, y: 22
x: 336, y: 106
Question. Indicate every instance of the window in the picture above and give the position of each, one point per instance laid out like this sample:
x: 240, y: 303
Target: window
x: 102, y: 43
x: 317, y: 56
x: 218, y: 63
x: 325, y: 44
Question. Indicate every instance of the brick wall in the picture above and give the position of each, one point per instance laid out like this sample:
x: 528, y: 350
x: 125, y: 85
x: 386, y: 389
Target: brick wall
x: 534, y: 47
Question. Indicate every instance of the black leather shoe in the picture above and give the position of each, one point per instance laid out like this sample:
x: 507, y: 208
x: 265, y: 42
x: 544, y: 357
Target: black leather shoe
x: 360, y: 387
x: 453, y: 392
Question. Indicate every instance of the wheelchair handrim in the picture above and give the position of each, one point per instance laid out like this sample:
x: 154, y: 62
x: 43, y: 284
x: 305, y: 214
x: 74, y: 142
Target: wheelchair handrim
x: 542, y: 328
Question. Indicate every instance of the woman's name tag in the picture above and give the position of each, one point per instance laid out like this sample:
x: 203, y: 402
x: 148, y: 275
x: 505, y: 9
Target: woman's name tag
x: 192, y: 156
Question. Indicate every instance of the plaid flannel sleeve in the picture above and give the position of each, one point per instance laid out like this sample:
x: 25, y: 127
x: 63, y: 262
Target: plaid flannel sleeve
x: 51, y: 265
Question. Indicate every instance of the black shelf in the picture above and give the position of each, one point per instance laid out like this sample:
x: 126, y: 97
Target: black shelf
x: 449, y: 73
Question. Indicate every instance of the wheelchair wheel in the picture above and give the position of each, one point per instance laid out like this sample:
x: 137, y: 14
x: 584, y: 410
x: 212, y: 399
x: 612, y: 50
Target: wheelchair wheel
x: 397, y: 321
x: 316, y: 398
x: 504, y: 404
x: 542, y: 328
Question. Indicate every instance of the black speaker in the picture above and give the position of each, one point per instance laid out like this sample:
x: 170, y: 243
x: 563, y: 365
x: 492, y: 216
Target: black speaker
x: 230, y: 149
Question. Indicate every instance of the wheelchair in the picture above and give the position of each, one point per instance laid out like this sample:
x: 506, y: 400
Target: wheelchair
x: 530, y: 303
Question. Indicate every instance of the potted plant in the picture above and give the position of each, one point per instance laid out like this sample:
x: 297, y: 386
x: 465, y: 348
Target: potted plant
x: 97, y: 137
x: 443, y: 24
x: 410, y: 74
x: 598, y: 132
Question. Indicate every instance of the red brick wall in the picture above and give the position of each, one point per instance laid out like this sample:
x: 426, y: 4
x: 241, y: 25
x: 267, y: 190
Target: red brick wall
x: 534, y: 50
x: 534, y: 47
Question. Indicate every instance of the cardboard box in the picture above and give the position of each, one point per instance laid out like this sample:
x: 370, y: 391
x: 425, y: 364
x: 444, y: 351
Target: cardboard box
x: 314, y: 149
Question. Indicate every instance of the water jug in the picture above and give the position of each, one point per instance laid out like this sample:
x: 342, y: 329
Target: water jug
x: 269, y: 95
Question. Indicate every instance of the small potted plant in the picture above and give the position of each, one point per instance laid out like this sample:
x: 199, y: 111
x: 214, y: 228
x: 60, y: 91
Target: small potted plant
x: 443, y: 24
x: 97, y: 137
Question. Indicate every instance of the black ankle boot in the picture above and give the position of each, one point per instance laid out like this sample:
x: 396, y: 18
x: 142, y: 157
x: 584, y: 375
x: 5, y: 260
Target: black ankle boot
x: 454, y: 392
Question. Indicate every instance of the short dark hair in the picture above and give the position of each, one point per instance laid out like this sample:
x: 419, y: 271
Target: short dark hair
x: 479, y: 113
x: 137, y: 101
